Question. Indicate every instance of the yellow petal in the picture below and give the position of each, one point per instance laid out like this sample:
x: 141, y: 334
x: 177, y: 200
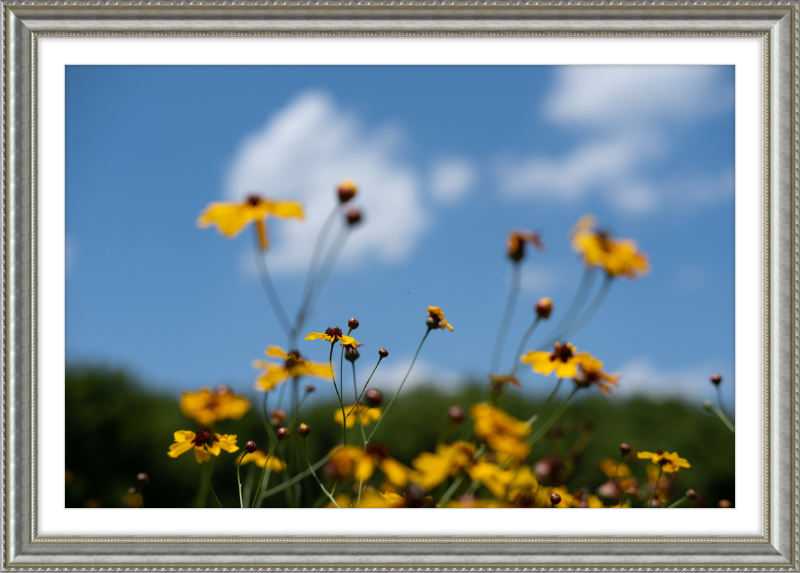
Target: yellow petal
x: 565, y: 369
x: 395, y: 472
x: 184, y: 436
x: 317, y: 336
x: 180, y: 448
x: 285, y: 209
x: 277, y: 352
x: 347, y: 340
x: 227, y: 442
x: 364, y: 469
x: 272, y: 376
x: 201, y: 455
x: 230, y: 218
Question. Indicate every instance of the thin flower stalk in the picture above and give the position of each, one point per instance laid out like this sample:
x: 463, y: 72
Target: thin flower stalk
x: 263, y: 471
x: 536, y: 436
x: 511, y: 302
x: 269, y: 289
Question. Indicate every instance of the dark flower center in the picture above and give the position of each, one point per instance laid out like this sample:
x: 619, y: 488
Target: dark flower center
x: 375, y: 449
x: 604, y: 238
x: 335, y: 333
x: 292, y: 359
x: 202, y: 437
x: 253, y: 200
x: 562, y: 352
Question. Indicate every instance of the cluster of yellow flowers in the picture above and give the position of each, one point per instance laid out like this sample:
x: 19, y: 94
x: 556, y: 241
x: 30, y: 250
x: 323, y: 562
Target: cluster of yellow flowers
x: 489, y: 465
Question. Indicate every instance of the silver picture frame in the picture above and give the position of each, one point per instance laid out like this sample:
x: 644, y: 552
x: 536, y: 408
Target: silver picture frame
x: 777, y: 24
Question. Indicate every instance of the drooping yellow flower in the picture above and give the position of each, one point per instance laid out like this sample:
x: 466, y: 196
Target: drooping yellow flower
x: 364, y: 413
x: 591, y: 373
x: 436, y: 316
x: 293, y: 366
x: 333, y: 335
x: 260, y: 458
x: 515, y: 245
x: 231, y: 218
x: 431, y: 469
x: 204, y: 443
x: 563, y: 360
x: 501, y: 432
x: 618, y: 257
x: 670, y: 463
x: 206, y: 407
x: 359, y: 463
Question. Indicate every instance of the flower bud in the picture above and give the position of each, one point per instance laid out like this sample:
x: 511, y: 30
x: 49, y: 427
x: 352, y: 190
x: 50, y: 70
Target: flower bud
x: 131, y: 490
x: 353, y: 216
x: 351, y: 353
x: 456, y: 414
x: 352, y: 323
x: 555, y: 499
x: 250, y: 447
x: 624, y: 449
x: 304, y: 429
x: 346, y: 190
x: 283, y: 434
x: 432, y: 322
x: 383, y: 353
x: 655, y: 503
x: 725, y: 504
x: 544, y: 306
x: 279, y: 414
x: 716, y: 379
x: 143, y: 478
x: 223, y: 389
x: 609, y: 492
x: 708, y: 406
x: 374, y: 397
x: 691, y: 494
x: 310, y: 388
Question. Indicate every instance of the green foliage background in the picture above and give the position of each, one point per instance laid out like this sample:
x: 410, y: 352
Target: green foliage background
x: 115, y: 429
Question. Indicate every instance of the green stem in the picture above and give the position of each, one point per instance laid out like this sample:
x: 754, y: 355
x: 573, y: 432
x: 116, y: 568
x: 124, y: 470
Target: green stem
x: 295, y: 479
x: 341, y: 402
x: 522, y: 344
x: 552, y: 395
x: 511, y: 302
x: 451, y: 490
x: 358, y: 411
x: 269, y: 288
x: 211, y: 485
x: 724, y: 418
x: 386, y: 411
x: 679, y: 502
x: 311, y: 469
x: 655, y: 486
x: 586, y: 314
x: 263, y: 471
x: 553, y: 419
x: 575, y: 305
x: 364, y: 389
x: 239, y: 480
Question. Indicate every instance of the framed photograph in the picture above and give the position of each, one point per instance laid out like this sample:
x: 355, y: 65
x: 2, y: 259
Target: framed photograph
x: 320, y: 285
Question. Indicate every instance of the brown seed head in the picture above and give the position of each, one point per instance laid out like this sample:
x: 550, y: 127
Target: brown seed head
x: 555, y: 499
x: 353, y: 216
x: 250, y: 447
x: 310, y: 388
x: 335, y: 332
x: 544, y: 306
x: 383, y: 353
x: 374, y: 397
x: 346, y: 190
x: 304, y: 429
x: 456, y: 414
x: 283, y: 434
x: 625, y: 449
x: 352, y: 323
x: 716, y: 379
x: 351, y: 353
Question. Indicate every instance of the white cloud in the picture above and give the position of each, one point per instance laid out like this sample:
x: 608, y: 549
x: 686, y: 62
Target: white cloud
x: 302, y: 152
x: 389, y: 376
x: 626, y: 113
x: 641, y: 377
x: 452, y: 179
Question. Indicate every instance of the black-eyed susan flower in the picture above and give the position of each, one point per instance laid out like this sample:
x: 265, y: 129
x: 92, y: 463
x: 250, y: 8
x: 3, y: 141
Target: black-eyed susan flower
x: 618, y: 257
x: 360, y: 463
x: 204, y: 443
x: 363, y: 413
x: 293, y: 366
x: 591, y: 373
x: 231, y: 218
x: 431, y: 469
x: 501, y: 432
x: 333, y: 335
x: 206, y: 407
x: 563, y: 360
x: 670, y: 463
x: 261, y: 458
x: 515, y: 244
x: 436, y: 318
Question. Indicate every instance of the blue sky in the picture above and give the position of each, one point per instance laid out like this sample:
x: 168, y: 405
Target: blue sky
x: 448, y: 159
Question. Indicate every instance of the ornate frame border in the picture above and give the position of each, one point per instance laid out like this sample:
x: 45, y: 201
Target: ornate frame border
x: 777, y: 23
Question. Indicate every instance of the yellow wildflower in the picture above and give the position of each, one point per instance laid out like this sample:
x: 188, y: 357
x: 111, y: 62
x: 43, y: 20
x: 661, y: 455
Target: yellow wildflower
x: 563, y: 360
x: 260, y: 458
x: 493, y: 477
x: 609, y: 467
x: 515, y: 245
x: 543, y: 497
x: 359, y: 463
x: 433, y: 468
x: 436, y: 318
x: 670, y: 463
x: 364, y: 413
x: 501, y: 432
x: 231, y: 218
x: 521, y: 492
x: 616, y: 256
x: 591, y: 373
x: 332, y: 335
x: 293, y: 366
x: 206, y: 407
x: 205, y: 444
